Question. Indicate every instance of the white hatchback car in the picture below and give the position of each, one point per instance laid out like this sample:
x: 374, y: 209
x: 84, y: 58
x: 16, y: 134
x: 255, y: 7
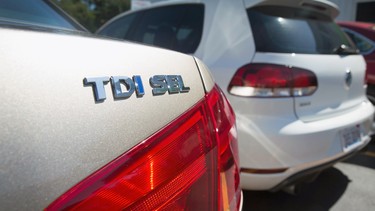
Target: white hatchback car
x: 295, y: 80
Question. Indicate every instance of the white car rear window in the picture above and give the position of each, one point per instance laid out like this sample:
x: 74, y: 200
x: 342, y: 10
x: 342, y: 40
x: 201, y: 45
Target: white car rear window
x: 293, y: 30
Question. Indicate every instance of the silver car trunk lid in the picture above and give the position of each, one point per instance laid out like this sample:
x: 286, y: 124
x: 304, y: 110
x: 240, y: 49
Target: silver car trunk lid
x: 54, y: 133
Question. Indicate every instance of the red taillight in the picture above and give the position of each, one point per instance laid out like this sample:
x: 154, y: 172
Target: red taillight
x: 226, y: 133
x: 181, y: 167
x: 271, y: 80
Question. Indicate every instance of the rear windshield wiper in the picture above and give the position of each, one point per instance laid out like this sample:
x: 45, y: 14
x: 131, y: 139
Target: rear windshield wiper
x: 345, y: 50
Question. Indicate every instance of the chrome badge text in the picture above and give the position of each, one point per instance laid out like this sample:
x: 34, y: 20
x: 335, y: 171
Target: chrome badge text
x: 123, y: 87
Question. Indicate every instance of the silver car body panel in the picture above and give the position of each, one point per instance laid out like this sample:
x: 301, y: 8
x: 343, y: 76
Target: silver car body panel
x: 53, y: 134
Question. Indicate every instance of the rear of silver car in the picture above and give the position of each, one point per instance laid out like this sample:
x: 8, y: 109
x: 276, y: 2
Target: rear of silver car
x: 90, y: 123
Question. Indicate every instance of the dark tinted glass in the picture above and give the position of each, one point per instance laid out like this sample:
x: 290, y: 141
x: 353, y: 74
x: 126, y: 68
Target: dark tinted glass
x: 290, y: 30
x: 177, y: 27
x: 119, y: 28
x: 33, y: 12
x: 362, y: 44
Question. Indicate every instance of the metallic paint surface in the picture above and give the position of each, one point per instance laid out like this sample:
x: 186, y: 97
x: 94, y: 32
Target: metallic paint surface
x: 53, y: 134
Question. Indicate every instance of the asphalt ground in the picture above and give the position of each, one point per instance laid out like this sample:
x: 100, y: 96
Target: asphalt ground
x: 348, y: 185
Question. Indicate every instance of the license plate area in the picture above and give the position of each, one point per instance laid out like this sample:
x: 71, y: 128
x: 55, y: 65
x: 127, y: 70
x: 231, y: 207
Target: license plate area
x: 350, y: 137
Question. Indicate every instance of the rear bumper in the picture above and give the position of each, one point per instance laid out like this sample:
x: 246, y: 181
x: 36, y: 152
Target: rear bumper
x: 301, y: 148
x: 241, y: 202
x: 307, y: 173
x: 275, y: 182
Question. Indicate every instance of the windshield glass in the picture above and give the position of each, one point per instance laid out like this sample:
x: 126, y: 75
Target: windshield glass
x: 34, y: 12
x: 291, y: 30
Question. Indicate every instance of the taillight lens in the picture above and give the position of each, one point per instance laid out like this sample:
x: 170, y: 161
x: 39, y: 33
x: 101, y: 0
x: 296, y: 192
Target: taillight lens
x: 271, y: 80
x: 226, y: 133
x: 192, y: 164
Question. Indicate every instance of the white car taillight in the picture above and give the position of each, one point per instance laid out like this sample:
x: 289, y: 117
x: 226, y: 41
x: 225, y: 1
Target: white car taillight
x: 271, y: 80
x: 191, y: 164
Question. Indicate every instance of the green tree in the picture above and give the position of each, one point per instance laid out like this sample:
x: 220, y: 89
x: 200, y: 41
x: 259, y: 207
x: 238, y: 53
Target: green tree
x: 105, y: 10
x: 93, y: 13
x: 80, y: 11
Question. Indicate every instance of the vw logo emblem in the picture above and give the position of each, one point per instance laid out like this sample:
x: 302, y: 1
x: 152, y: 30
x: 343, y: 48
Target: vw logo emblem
x: 348, y: 78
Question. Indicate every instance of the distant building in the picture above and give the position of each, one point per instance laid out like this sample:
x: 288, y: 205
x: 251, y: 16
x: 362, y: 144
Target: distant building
x: 356, y: 10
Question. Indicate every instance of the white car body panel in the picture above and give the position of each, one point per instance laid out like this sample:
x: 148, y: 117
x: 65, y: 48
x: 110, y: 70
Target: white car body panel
x: 296, y: 133
x: 333, y: 96
x: 277, y: 133
x: 330, y: 8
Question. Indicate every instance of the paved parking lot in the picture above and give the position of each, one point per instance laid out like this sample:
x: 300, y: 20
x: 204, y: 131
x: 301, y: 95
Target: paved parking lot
x: 349, y: 185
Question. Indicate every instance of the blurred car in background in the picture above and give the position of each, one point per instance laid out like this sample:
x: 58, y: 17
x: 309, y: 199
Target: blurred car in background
x: 294, y: 79
x: 89, y: 123
x: 363, y: 35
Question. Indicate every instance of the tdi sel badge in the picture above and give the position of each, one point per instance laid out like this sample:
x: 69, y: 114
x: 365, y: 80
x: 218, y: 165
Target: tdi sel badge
x: 160, y: 84
x: 171, y: 83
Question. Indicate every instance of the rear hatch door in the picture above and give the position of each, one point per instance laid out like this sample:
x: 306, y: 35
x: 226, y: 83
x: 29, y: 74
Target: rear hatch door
x: 298, y: 36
